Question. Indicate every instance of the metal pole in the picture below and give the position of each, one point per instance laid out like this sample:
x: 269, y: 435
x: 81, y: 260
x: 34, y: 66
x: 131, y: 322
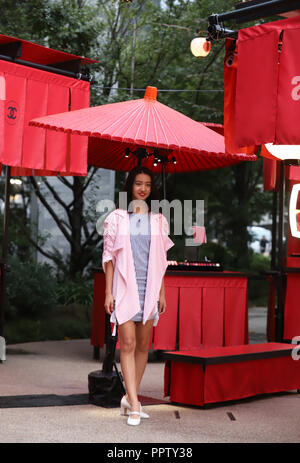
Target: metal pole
x: 274, y: 231
x: 4, y: 250
x: 256, y: 11
x: 43, y: 67
x: 164, y: 179
x: 280, y: 280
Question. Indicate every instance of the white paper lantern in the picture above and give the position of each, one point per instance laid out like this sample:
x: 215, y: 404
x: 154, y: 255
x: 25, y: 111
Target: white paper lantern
x: 200, y: 47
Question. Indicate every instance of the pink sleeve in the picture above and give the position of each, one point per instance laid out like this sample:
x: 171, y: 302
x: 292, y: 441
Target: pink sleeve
x: 109, y: 236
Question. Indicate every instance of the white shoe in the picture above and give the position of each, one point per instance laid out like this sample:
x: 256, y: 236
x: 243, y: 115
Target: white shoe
x: 134, y: 421
x: 125, y: 406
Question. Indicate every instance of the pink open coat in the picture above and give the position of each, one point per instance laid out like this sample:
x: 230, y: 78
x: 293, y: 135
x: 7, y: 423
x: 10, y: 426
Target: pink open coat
x: 117, y: 247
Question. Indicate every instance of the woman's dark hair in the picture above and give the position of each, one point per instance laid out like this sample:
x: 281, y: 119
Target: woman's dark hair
x: 130, y: 181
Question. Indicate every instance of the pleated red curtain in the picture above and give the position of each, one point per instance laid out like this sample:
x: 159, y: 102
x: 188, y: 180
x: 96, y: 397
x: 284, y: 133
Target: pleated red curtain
x: 267, y: 103
x: 30, y: 93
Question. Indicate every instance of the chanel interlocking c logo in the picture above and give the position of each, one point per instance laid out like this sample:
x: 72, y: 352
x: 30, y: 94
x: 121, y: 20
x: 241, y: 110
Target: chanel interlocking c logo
x: 12, y: 112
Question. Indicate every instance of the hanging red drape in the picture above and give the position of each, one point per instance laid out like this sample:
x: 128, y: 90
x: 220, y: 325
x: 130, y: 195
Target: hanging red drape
x: 267, y: 104
x: 230, y: 73
x: 31, y: 93
x: 2, y: 102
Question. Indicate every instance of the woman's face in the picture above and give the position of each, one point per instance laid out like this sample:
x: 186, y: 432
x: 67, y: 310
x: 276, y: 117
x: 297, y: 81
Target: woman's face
x: 141, y: 186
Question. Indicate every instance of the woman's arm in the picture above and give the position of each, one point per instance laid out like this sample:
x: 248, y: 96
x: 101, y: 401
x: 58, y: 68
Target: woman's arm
x: 109, y: 300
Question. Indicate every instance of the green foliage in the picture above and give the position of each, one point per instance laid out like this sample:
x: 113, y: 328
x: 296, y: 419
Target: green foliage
x: 57, y: 327
x: 31, y: 289
x: 258, y: 286
x: 259, y: 263
x: 76, y: 291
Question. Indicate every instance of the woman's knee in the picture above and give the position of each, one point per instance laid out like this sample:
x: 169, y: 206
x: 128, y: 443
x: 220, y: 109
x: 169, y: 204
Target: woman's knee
x: 127, y: 344
x: 142, y: 345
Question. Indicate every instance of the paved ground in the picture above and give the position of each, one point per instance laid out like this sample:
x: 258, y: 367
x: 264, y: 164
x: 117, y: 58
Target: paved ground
x: 62, y: 368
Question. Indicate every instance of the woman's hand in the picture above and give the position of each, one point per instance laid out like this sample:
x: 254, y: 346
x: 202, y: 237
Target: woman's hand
x: 109, y: 303
x: 162, y: 305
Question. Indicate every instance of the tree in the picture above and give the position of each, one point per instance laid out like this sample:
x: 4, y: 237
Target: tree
x: 138, y: 44
x: 74, y: 223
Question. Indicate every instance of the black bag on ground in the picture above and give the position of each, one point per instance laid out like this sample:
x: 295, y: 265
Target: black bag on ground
x: 106, y: 387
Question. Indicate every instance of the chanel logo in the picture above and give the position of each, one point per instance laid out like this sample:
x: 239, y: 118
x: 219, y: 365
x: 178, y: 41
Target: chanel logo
x: 12, y: 112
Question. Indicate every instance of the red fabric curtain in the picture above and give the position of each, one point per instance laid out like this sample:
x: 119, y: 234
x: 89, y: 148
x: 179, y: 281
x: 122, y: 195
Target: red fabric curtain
x: 230, y: 381
x: 235, y: 319
x: 78, y: 144
x: 14, y: 120
x: 291, y: 308
x: 212, y: 312
x: 32, y: 152
x: 31, y: 93
x: 190, y: 318
x: 2, y: 104
x: 268, y: 89
x: 256, y: 94
x: 212, y: 316
x: 166, y: 330
x: 194, y: 384
x: 288, y: 113
x: 271, y: 174
x: 230, y: 73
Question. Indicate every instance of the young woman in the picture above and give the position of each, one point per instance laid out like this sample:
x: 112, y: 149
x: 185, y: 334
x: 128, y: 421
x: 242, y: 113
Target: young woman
x: 134, y: 261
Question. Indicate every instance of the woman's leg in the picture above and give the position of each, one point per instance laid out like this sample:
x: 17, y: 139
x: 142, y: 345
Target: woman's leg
x: 143, y: 333
x: 127, y: 332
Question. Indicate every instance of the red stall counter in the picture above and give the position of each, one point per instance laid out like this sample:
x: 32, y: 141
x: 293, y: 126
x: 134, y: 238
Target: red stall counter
x: 218, y: 374
x: 203, y: 309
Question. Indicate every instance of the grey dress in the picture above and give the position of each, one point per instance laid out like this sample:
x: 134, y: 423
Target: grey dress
x: 140, y: 237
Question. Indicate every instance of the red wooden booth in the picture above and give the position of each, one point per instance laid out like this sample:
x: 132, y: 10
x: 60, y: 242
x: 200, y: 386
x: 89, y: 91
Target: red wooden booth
x: 203, y: 308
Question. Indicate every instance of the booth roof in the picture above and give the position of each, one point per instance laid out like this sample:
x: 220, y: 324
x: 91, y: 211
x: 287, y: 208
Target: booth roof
x: 38, y: 54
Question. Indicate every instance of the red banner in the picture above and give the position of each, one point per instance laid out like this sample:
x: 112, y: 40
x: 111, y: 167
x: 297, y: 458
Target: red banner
x: 2, y: 103
x: 14, y: 120
x: 31, y: 93
x: 78, y: 144
x: 230, y: 73
x: 267, y: 104
x: 288, y: 113
x: 256, y: 95
x: 34, y: 141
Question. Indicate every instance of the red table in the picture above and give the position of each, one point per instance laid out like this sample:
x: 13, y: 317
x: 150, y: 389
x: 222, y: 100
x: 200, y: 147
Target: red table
x: 203, y: 309
x: 218, y: 374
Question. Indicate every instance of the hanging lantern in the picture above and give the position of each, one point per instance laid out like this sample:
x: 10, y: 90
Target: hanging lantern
x: 200, y: 47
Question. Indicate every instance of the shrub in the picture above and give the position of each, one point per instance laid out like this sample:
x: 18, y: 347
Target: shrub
x: 31, y: 289
x: 258, y: 286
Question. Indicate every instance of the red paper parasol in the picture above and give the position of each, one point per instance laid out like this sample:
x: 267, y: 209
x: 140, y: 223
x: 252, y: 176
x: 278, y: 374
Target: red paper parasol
x: 148, y: 124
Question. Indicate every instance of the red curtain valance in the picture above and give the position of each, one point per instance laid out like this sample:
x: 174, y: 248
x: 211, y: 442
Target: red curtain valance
x: 267, y: 104
x: 28, y: 93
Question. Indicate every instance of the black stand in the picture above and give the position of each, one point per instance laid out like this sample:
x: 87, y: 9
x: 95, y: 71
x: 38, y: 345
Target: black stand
x: 106, y: 387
